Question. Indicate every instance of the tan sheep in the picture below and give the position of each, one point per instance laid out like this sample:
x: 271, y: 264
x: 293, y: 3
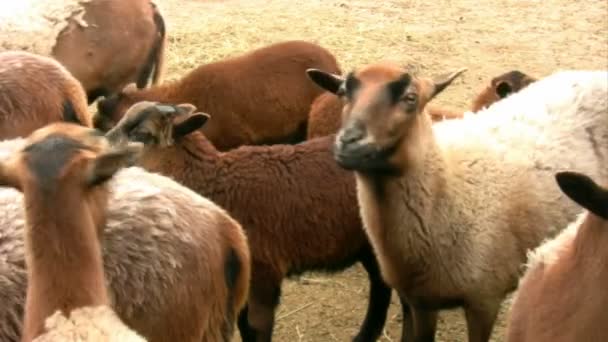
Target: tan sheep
x: 36, y: 90
x: 561, y: 296
x: 176, y: 265
x: 451, y: 208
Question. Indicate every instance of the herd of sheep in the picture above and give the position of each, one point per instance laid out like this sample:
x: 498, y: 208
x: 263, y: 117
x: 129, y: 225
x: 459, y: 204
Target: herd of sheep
x: 176, y: 210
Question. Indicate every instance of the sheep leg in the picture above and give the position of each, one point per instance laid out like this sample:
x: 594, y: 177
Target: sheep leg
x: 264, y: 297
x: 407, y: 327
x: 425, y: 323
x: 480, y: 320
x: 247, y: 333
x: 379, y: 301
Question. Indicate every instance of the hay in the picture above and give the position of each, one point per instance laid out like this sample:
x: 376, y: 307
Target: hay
x: 34, y: 25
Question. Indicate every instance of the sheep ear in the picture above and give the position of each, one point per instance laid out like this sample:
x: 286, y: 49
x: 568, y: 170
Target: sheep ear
x: 8, y: 176
x: 584, y: 191
x: 325, y: 80
x: 443, y: 81
x: 186, y: 108
x: 104, y: 166
x: 186, y: 126
x: 503, y: 89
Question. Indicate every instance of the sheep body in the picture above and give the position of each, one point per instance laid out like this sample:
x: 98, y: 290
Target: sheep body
x: 159, y: 239
x: 545, y: 307
x: 36, y: 90
x: 297, y: 206
x: 261, y: 97
x: 476, y: 193
x: 70, y: 32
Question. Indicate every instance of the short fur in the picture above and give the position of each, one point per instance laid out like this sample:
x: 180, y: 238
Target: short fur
x: 261, y: 97
x: 166, y: 252
x: 298, y: 207
x: 99, y: 324
x: 325, y: 113
x: 36, y: 90
x: 560, y: 297
x: 452, y: 208
x: 133, y: 30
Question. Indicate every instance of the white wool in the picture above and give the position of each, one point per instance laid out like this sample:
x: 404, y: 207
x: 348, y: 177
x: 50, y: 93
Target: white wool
x: 548, y: 253
x: 98, y: 324
x: 33, y: 25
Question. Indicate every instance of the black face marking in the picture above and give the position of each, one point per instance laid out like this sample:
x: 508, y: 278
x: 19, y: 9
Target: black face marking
x: 398, y: 87
x: 351, y: 84
x: 47, y: 158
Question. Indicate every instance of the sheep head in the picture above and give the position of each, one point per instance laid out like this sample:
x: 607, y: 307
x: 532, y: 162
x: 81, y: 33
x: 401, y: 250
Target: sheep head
x: 383, y: 104
x: 500, y: 87
x: 156, y: 124
x: 110, y: 109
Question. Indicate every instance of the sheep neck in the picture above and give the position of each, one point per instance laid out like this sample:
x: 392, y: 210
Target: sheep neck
x: 64, y: 260
x: 411, y: 197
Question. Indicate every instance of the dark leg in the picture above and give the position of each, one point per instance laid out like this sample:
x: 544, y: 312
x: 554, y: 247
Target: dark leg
x: 480, y: 320
x: 247, y: 333
x: 407, y: 327
x: 421, y: 323
x: 379, y: 301
x: 257, y: 320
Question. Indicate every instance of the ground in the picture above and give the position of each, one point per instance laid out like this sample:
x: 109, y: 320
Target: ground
x: 488, y: 37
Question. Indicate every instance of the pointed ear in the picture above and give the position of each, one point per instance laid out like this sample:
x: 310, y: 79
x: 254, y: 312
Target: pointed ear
x: 441, y: 82
x: 503, y: 88
x: 186, y: 108
x: 325, y: 80
x: 183, y: 127
x: 8, y: 175
x: 105, y: 165
x: 584, y: 191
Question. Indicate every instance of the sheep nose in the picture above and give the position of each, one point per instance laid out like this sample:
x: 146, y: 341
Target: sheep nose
x: 352, y: 134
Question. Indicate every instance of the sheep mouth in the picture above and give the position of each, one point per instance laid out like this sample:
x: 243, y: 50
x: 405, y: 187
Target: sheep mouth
x: 368, y: 158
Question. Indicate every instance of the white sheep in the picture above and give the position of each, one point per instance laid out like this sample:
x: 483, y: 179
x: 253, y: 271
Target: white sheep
x: 451, y: 209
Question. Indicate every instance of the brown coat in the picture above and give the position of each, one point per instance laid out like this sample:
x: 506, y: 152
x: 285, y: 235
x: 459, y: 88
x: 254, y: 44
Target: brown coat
x: 35, y: 91
x: 260, y: 97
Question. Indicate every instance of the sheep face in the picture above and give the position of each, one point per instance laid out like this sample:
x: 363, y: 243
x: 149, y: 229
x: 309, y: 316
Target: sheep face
x: 500, y: 87
x: 383, y: 104
x: 112, y: 108
x: 65, y: 158
x: 156, y: 124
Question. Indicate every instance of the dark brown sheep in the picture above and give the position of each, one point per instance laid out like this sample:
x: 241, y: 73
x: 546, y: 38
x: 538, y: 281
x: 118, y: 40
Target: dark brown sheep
x: 325, y: 118
x: 561, y: 297
x: 35, y: 91
x: 123, y: 42
x: 261, y: 97
x: 298, y: 208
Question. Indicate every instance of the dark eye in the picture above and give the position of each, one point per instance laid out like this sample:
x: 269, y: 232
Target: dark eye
x: 410, y: 98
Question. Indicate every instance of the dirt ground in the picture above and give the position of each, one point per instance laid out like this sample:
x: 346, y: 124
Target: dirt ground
x: 488, y: 37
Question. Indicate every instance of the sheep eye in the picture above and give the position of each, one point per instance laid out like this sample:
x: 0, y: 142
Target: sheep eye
x: 410, y: 98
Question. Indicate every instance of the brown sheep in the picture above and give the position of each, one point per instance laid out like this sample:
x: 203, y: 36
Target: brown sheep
x: 325, y: 118
x: 105, y: 44
x: 297, y: 206
x: 177, y: 266
x: 64, y: 263
x: 123, y: 42
x: 451, y: 208
x: 35, y: 91
x: 561, y: 296
x: 500, y: 87
x: 261, y: 97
